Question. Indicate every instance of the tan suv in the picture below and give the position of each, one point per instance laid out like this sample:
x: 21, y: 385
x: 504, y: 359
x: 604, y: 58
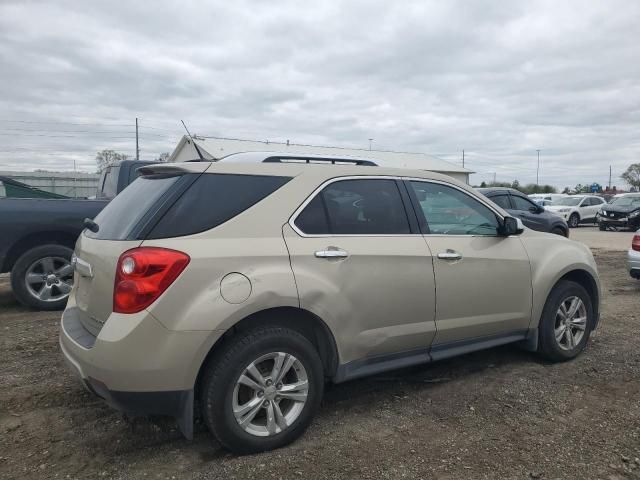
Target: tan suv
x: 242, y: 286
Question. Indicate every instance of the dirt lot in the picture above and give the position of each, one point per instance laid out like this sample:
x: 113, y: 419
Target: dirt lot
x: 501, y: 413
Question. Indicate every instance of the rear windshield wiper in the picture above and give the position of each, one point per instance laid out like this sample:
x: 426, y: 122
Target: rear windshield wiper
x: 91, y: 225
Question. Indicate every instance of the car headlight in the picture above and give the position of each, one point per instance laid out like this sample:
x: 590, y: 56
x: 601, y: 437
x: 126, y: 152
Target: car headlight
x: 603, y: 213
x: 634, y: 214
x: 564, y: 210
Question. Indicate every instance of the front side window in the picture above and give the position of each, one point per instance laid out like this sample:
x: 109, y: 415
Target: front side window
x: 449, y: 211
x: 522, y: 203
x: 355, y: 207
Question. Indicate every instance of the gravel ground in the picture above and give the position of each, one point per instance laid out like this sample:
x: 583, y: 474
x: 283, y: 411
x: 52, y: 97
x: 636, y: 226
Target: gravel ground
x: 501, y: 413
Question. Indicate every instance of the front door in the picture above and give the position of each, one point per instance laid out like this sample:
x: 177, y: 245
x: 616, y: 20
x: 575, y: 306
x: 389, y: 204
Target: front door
x: 483, y: 280
x: 363, y: 267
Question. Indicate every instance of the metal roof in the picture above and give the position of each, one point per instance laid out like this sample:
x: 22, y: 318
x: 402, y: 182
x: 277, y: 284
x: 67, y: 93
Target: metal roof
x: 214, y: 148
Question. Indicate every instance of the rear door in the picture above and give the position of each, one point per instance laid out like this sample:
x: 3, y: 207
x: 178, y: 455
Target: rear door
x: 483, y: 280
x: 362, y: 266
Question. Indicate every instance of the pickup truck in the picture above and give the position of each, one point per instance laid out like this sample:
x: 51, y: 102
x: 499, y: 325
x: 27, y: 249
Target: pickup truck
x: 37, y: 237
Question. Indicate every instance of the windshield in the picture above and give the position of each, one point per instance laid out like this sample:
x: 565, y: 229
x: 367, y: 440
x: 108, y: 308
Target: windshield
x: 568, y: 201
x: 630, y: 201
x: 122, y: 214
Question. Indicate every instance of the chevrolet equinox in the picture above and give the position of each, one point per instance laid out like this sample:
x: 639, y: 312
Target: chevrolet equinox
x: 239, y: 288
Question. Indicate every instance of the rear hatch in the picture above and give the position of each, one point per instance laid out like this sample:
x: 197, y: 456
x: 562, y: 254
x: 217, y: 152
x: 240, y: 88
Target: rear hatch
x: 122, y: 225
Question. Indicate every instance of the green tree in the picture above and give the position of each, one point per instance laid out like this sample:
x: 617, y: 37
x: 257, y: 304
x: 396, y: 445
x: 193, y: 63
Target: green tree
x: 566, y: 190
x: 632, y: 175
x: 106, y: 158
x: 483, y: 185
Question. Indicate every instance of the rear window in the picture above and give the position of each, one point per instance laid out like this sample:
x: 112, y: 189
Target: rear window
x: 212, y: 200
x: 119, y: 218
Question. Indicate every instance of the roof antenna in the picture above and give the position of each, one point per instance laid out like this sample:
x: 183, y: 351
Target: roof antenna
x: 194, y: 142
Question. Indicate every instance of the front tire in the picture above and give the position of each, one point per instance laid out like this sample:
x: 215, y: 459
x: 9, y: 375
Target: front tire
x: 42, y: 277
x: 566, y: 323
x: 559, y: 231
x: 261, y: 391
x: 574, y: 220
x: 602, y: 228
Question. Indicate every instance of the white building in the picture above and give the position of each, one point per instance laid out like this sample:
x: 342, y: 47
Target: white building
x: 216, y: 148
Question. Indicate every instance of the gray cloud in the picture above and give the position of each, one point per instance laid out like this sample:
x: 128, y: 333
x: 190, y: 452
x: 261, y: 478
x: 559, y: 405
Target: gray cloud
x: 498, y: 79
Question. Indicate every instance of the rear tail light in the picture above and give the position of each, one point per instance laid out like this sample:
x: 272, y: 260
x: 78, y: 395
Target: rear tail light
x: 635, y: 243
x: 143, y: 274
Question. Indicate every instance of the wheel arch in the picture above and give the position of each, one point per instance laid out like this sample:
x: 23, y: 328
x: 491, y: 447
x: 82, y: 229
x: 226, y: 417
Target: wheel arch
x: 295, y: 318
x: 36, y: 239
x: 586, y: 280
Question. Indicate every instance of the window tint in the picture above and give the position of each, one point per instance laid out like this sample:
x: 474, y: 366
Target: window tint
x: 521, y: 203
x: 448, y: 210
x: 356, y: 207
x: 212, y: 200
x: 313, y: 219
x: 502, y: 201
x: 122, y: 214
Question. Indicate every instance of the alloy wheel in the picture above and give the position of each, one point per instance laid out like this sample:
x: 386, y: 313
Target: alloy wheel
x: 570, y: 323
x: 270, y: 394
x: 50, y: 279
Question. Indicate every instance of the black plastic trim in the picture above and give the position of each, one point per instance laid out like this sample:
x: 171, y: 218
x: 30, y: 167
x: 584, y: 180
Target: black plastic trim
x: 176, y: 403
x: 280, y: 158
x: 382, y: 363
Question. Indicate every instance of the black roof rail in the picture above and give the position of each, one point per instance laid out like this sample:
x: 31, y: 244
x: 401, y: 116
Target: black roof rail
x: 284, y: 158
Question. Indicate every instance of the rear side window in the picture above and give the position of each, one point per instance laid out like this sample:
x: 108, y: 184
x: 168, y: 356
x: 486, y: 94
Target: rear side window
x: 355, y: 207
x: 118, y: 219
x: 502, y: 201
x: 212, y: 200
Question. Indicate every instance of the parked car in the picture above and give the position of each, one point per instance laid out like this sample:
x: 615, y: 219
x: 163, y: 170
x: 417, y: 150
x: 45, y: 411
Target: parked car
x: 532, y: 215
x: 577, y: 209
x: 541, y: 198
x: 38, y: 236
x: 633, y: 256
x: 622, y: 212
x: 243, y: 285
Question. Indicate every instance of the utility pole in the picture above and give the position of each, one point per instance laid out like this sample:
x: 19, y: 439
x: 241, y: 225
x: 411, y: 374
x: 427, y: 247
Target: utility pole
x: 538, y: 169
x: 370, y: 140
x: 137, y: 145
x: 463, y: 158
x: 75, y: 181
x: 494, y: 178
x: 609, y: 178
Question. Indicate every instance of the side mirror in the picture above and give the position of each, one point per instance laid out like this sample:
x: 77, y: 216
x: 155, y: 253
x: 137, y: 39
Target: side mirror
x: 536, y: 209
x: 511, y: 226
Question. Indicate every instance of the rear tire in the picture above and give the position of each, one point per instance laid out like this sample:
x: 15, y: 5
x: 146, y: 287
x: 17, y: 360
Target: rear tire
x: 602, y: 228
x: 574, y: 220
x: 562, y: 336
x: 52, y: 261
x: 226, y: 400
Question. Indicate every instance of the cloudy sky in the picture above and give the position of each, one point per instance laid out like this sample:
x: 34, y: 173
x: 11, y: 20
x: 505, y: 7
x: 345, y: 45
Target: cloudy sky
x: 497, y: 79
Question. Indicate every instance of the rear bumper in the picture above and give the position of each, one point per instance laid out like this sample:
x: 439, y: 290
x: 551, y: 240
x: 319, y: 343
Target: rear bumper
x: 136, y: 365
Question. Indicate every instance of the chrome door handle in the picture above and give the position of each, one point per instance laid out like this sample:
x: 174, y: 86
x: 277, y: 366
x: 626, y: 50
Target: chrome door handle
x: 450, y: 255
x: 331, y: 254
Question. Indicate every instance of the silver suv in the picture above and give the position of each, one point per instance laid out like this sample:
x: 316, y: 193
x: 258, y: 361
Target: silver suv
x: 243, y: 286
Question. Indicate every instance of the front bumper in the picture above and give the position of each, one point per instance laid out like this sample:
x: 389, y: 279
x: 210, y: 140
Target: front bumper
x: 625, y: 222
x: 137, y: 365
x: 633, y: 263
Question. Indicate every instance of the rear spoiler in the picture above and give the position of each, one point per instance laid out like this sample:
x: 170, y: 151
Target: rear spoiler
x: 174, y: 168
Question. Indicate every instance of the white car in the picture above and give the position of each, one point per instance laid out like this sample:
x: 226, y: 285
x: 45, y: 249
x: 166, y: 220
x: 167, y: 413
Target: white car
x: 546, y: 199
x: 577, y: 209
